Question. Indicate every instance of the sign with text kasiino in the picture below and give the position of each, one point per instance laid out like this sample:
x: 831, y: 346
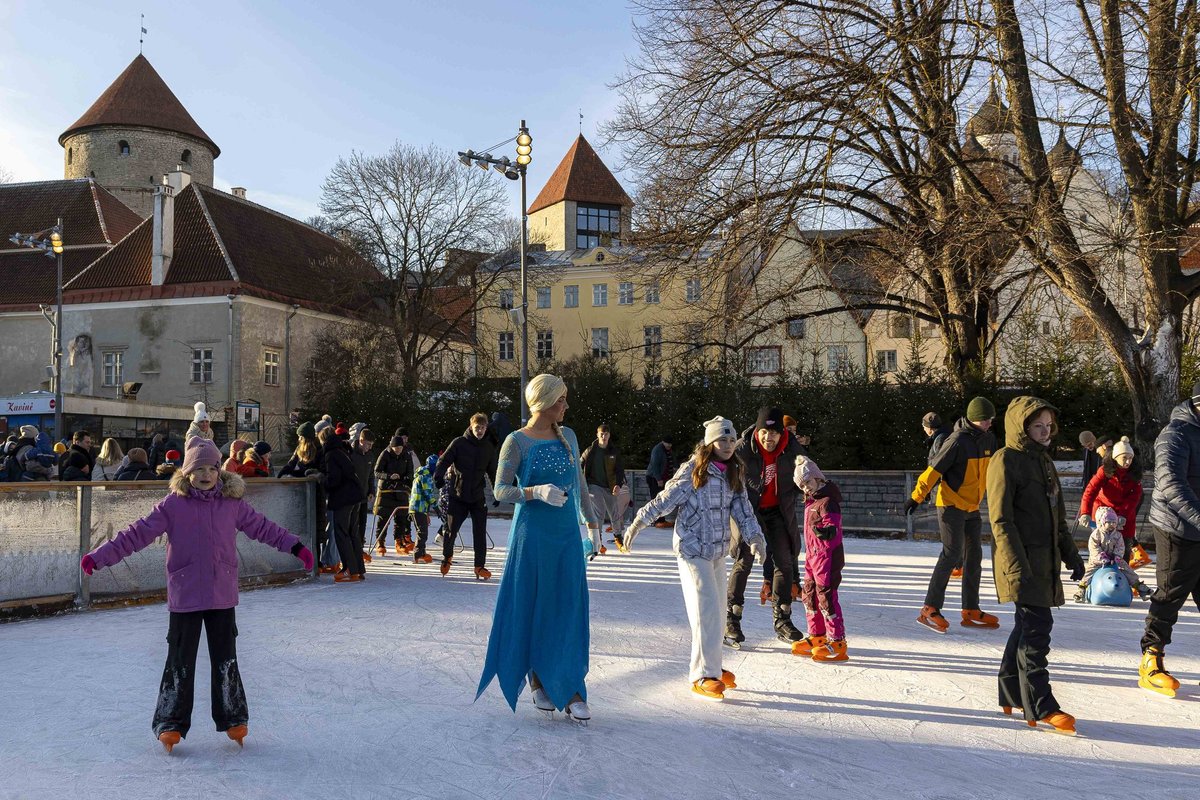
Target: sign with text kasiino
x: 24, y: 404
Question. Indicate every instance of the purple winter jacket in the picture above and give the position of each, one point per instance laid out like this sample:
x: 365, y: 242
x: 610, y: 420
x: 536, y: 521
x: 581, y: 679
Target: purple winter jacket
x: 202, y: 560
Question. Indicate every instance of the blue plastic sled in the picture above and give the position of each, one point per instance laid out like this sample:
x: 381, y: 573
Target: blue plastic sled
x: 1108, y: 587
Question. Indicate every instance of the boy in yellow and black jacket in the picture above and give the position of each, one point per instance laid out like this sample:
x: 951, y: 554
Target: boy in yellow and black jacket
x: 959, y: 470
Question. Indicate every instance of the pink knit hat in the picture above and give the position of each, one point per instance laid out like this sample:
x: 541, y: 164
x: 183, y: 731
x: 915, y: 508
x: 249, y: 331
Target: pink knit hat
x: 200, y: 452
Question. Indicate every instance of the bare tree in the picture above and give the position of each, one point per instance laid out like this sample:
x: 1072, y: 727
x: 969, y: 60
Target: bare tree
x: 750, y: 117
x: 1127, y: 70
x: 426, y: 224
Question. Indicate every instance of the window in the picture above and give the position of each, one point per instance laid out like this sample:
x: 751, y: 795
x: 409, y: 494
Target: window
x: 113, y: 371
x: 506, y: 346
x: 652, y: 292
x: 570, y: 297
x: 692, y: 292
x: 545, y: 345
x: 885, y: 361
x: 652, y: 336
x: 624, y: 294
x: 543, y: 297
x: 694, y: 332
x: 70, y: 155
x: 838, y: 357
x: 597, y: 225
x: 600, y: 343
x: 1046, y: 328
x: 763, y: 360
x: 123, y: 148
x: 900, y: 326
x: 185, y: 157
x: 795, y: 328
x: 506, y: 299
x: 599, y: 294
x: 653, y: 379
x: 202, y: 365
x: 271, y: 367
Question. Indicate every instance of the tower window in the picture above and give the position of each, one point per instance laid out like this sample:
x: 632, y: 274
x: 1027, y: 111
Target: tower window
x: 70, y: 155
x: 186, y: 157
x: 597, y: 225
x: 123, y: 147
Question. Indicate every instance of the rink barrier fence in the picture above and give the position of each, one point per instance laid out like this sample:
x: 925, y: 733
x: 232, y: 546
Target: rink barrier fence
x: 46, y: 528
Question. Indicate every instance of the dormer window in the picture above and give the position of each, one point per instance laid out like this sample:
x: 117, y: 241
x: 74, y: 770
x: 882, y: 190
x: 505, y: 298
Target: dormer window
x: 186, y: 157
x: 123, y: 147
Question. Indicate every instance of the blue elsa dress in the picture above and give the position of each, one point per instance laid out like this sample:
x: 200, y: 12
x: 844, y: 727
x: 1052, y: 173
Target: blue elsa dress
x: 541, y: 622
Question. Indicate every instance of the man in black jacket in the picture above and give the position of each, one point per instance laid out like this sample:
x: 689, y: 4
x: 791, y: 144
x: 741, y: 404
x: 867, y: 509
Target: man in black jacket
x: 471, y: 456
x: 769, y: 453
x: 1175, y: 517
x: 77, y: 461
x: 343, y: 492
x: 360, y: 455
x: 393, y: 480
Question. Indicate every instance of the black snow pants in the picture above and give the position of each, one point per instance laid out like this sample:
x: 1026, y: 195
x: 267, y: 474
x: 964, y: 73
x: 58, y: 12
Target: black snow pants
x: 1178, y: 573
x: 177, y: 691
x: 961, y: 546
x: 459, y: 512
x: 780, y: 552
x: 1024, y: 677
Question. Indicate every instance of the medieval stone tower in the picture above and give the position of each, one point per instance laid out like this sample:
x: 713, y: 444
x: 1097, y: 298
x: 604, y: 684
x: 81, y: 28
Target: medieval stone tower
x: 136, y: 132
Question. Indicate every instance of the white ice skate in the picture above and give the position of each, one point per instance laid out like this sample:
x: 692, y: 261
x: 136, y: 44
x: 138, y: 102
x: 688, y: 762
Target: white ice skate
x: 578, y: 711
x: 542, y: 702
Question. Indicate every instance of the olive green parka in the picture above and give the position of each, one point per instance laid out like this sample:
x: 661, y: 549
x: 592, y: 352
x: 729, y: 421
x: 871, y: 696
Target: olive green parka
x: 1030, y: 535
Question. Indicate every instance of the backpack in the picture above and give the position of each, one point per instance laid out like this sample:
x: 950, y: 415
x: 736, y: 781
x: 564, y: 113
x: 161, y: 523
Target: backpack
x: 10, y: 469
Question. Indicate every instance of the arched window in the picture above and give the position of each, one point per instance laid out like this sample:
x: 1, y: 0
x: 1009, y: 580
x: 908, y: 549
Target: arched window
x: 186, y: 157
x: 70, y: 155
x: 92, y: 173
x: 123, y: 147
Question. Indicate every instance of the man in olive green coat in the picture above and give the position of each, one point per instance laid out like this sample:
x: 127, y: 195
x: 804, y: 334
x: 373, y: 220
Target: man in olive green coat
x: 1030, y: 538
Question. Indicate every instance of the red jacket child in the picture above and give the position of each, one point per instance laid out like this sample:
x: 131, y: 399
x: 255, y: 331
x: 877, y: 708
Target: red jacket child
x: 1118, y: 487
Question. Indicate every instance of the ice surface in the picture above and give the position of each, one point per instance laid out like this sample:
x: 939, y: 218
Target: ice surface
x: 365, y: 690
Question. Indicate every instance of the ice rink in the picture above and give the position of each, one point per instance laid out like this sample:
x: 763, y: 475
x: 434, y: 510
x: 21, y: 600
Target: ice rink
x: 366, y: 690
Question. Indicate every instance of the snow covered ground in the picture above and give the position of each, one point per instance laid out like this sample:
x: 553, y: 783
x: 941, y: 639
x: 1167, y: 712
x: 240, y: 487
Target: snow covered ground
x: 365, y: 690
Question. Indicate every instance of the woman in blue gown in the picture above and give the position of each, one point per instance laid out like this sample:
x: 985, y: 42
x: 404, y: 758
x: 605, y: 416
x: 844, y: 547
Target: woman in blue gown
x: 540, y: 626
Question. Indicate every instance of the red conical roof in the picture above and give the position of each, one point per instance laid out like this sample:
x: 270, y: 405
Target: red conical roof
x: 140, y: 97
x: 582, y: 177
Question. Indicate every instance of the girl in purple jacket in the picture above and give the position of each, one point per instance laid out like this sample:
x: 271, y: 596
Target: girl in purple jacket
x: 824, y: 560
x: 201, y: 517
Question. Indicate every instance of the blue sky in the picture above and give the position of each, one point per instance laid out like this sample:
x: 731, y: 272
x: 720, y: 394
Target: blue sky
x: 285, y: 88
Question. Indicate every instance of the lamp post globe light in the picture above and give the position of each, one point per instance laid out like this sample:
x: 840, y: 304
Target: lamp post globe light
x: 52, y: 247
x: 514, y: 171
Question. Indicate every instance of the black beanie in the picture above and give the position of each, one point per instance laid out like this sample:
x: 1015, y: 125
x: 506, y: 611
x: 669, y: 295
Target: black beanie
x: 397, y: 441
x: 769, y: 418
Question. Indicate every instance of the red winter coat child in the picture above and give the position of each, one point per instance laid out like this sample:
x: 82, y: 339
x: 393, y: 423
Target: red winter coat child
x: 824, y: 559
x: 1117, y: 485
x: 201, y: 518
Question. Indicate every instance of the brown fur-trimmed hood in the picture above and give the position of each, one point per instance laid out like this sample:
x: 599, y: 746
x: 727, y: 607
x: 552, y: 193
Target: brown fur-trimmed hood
x: 233, y: 485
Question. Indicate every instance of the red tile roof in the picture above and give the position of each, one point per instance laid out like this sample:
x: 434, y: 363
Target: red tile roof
x: 140, y: 97
x: 93, y: 220
x: 222, y: 244
x: 581, y: 176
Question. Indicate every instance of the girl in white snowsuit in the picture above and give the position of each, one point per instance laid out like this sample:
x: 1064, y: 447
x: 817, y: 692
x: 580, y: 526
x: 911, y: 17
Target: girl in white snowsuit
x: 1106, y: 548
x: 708, y: 491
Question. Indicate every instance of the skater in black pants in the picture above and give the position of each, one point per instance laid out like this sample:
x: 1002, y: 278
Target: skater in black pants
x: 470, y: 456
x: 361, y: 443
x: 769, y: 453
x: 1175, y: 516
x: 344, y: 493
x: 393, y: 476
x: 1030, y: 538
x: 658, y: 470
x: 201, y: 518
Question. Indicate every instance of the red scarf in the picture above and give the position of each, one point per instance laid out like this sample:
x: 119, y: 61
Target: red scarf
x: 770, y: 474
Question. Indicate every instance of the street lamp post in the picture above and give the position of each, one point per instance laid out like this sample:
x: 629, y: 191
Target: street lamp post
x: 53, y: 248
x: 515, y: 171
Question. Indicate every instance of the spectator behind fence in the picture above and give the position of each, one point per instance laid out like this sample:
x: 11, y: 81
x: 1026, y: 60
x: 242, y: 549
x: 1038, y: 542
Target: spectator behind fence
x: 138, y: 468
x: 110, y: 462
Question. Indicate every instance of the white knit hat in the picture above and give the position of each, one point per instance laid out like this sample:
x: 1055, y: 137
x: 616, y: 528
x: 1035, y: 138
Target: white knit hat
x: 1106, y: 516
x: 201, y: 413
x: 717, y: 427
x: 1123, y: 447
x: 323, y: 423
x: 29, y: 432
x: 807, y: 470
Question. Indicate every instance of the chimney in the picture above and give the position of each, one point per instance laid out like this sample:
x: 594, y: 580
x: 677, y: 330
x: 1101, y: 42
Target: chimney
x: 164, y: 231
x: 239, y: 192
x: 179, y: 179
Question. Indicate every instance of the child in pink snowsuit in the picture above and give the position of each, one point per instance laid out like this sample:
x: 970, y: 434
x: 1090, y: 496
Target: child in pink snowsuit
x: 824, y: 559
x: 201, y: 517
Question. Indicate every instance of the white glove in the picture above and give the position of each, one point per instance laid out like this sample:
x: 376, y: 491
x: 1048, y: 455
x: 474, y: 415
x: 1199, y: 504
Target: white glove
x: 626, y: 543
x: 548, y: 493
x: 1084, y: 520
x: 758, y: 550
